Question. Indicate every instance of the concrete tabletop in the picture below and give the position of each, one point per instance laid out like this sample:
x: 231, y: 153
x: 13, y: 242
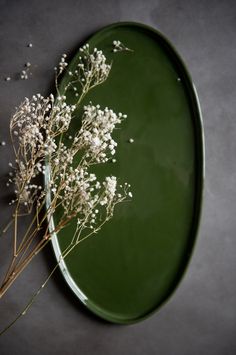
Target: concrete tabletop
x: 201, y: 316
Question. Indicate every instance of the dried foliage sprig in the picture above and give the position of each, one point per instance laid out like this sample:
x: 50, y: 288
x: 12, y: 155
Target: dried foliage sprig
x: 118, y: 46
x: 37, y: 130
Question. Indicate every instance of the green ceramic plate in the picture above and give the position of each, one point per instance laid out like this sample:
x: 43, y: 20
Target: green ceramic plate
x: 136, y: 261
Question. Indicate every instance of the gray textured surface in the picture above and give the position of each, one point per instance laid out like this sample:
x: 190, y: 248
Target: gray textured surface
x: 201, y: 317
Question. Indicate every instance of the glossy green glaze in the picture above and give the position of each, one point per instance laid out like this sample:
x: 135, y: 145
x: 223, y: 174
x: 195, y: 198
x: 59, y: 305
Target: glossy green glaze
x: 135, y: 262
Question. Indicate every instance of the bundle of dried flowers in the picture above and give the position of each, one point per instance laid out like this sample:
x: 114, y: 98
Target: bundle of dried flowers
x: 37, y: 130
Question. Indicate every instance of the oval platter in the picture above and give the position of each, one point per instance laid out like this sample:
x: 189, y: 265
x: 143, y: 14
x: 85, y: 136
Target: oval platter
x: 132, y: 266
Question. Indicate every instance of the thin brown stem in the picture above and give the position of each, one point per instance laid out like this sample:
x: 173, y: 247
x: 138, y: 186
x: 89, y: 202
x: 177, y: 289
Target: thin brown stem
x: 32, y: 300
x: 9, y: 270
x: 8, y: 225
x: 15, y: 230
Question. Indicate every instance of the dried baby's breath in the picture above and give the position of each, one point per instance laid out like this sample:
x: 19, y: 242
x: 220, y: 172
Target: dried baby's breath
x: 38, y: 132
x: 118, y: 46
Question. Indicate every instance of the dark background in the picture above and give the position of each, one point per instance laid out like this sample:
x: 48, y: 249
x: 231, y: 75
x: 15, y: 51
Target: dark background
x: 201, y: 317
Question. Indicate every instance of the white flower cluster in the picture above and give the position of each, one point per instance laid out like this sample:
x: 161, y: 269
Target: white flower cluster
x: 60, y: 115
x: 25, y: 73
x: 35, y: 126
x: 92, y: 66
x: 79, y: 190
x: 83, y: 196
x: 118, y: 46
x: 91, y: 70
x: 62, y: 64
x: 98, y: 126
